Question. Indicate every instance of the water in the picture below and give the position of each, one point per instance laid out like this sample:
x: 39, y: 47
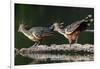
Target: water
x: 55, y: 58
x: 37, y: 15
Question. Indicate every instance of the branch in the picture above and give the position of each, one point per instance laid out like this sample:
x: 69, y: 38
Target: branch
x: 88, y: 48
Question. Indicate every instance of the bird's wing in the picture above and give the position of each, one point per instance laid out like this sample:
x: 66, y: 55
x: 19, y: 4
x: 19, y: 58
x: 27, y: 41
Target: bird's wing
x: 45, y: 32
x: 71, y: 28
x: 83, y: 24
x: 41, y: 31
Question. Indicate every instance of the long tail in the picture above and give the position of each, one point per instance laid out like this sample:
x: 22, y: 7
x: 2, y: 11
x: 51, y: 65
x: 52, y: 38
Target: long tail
x: 86, y: 22
x: 89, y: 19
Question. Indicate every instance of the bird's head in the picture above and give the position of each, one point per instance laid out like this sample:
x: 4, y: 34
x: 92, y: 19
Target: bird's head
x: 21, y: 27
x: 56, y: 25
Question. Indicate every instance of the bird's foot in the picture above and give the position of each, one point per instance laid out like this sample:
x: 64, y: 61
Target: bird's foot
x: 34, y: 46
x: 70, y: 45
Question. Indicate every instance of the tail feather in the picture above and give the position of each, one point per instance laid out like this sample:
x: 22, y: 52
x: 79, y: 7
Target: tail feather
x: 86, y: 22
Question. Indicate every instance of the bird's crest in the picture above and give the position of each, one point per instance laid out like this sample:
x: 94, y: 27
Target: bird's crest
x: 21, y: 26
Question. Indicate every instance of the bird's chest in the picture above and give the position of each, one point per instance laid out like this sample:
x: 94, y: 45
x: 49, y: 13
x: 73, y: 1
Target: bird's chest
x: 34, y: 38
x: 73, y: 35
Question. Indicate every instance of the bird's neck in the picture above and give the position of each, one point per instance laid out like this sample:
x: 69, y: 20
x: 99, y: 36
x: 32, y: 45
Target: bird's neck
x: 59, y: 30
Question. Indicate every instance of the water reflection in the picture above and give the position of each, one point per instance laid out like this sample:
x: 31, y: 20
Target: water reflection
x: 48, y: 57
x: 59, y: 57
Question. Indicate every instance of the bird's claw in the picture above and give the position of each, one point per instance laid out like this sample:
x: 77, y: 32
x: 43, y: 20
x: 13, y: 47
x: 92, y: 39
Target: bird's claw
x: 33, y: 46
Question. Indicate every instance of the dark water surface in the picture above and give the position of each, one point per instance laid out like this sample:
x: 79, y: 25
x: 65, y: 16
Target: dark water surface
x: 38, y: 15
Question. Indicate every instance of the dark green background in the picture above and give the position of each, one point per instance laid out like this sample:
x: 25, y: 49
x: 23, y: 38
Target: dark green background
x: 43, y: 15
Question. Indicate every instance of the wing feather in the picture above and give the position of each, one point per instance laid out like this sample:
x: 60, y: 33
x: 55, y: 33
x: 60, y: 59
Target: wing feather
x: 41, y: 31
x: 71, y: 28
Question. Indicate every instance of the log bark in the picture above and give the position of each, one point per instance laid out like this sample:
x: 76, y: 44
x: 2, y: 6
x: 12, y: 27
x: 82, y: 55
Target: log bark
x: 89, y: 48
